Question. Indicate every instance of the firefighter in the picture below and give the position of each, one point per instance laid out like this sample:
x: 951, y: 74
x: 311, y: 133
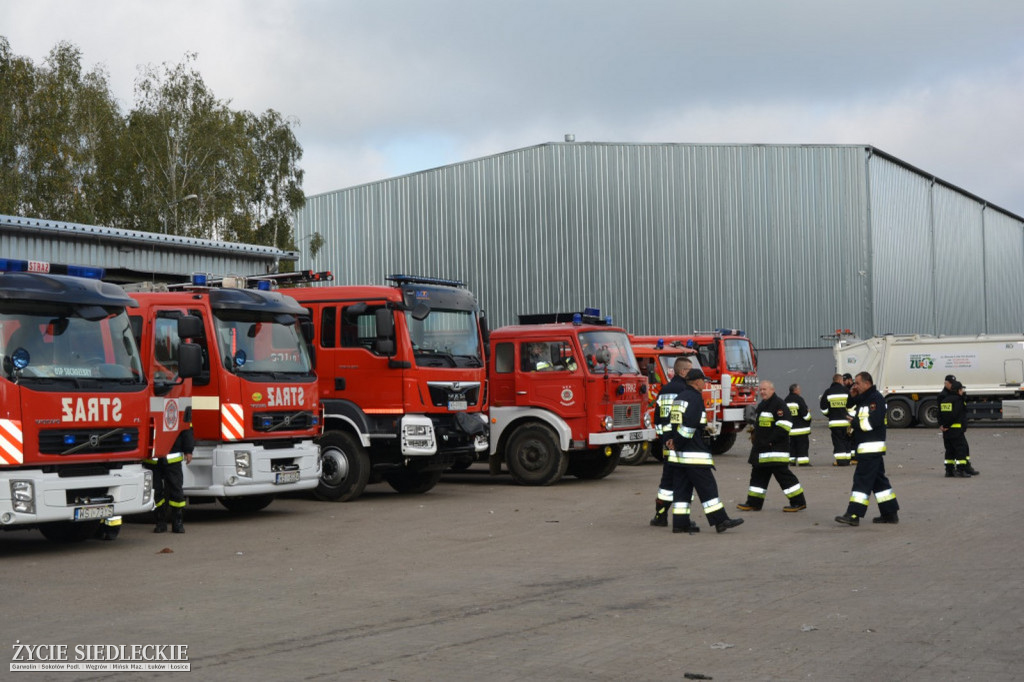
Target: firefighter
x: 800, y: 434
x: 867, y: 409
x: 833, y: 406
x: 952, y: 422
x: 769, y: 453
x: 168, y: 479
x: 537, y: 361
x: 680, y: 420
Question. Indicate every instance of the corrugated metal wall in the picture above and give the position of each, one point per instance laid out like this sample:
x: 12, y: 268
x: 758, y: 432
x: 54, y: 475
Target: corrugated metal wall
x: 130, y: 251
x: 780, y: 240
x: 944, y: 261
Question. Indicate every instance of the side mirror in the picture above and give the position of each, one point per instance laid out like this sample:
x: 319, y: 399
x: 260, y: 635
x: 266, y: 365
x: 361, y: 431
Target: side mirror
x: 420, y: 311
x: 385, y: 324
x: 190, y: 360
x: 384, y: 347
x: 190, y: 327
x: 355, y: 310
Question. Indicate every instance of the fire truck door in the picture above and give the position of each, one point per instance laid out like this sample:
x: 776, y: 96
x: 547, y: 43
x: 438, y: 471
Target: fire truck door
x: 550, y: 375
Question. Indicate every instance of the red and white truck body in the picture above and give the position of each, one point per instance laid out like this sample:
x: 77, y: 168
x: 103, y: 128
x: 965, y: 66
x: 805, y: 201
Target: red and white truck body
x: 564, y: 397
x: 74, y: 404
x: 254, y: 406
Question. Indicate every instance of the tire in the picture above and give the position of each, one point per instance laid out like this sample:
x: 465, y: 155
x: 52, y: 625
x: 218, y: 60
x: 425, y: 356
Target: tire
x: 247, y: 504
x: 928, y: 413
x: 594, y: 464
x: 69, y: 531
x: 534, y: 457
x: 345, y: 467
x: 409, y: 483
x: 633, y: 454
x: 897, y: 414
x: 722, y: 443
x: 461, y: 464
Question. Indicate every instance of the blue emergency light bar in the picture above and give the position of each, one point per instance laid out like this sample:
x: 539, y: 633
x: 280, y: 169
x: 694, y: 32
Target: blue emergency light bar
x: 45, y: 268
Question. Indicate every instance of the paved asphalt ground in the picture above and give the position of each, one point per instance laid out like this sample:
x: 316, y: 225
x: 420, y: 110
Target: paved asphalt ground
x: 481, y: 579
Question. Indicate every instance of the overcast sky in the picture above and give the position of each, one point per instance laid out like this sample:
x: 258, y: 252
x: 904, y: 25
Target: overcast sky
x: 386, y: 87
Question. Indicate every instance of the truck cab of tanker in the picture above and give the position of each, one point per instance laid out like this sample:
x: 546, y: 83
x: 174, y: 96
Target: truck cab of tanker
x: 75, y: 403
x: 658, y: 360
x: 402, y: 381
x: 565, y: 398
x: 729, y: 361
x: 253, y: 406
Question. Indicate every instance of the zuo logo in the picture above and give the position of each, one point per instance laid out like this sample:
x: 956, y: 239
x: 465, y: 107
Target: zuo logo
x: 921, y: 362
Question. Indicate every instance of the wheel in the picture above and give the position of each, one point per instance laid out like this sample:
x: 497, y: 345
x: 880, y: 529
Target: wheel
x: 593, y: 464
x: 928, y: 413
x: 534, y: 457
x: 345, y: 467
x: 632, y: 454
x: 413, y: 483
x: 897, y: 414
x: 246, y: 504
x: 722, y: 443
x: 69, y: 531
x: 461, y: 464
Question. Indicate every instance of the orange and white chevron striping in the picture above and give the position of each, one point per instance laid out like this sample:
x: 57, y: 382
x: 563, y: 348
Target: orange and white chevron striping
x: 12, y: 446
x: 232, y: 426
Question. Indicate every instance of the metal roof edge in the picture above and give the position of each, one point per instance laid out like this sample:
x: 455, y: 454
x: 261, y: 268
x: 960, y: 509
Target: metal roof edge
x: 136, y: 238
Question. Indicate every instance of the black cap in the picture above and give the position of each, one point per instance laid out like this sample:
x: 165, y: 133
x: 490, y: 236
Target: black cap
x: 955, y: 386
x: 695, y: 374
x: 950, y: 378
x: 848, y: 376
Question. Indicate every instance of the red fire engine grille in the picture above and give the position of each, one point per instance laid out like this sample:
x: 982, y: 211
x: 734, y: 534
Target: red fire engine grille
x: 627, y: 415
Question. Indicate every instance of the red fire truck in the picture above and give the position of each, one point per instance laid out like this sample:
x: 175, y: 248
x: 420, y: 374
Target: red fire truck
x: 728, y: 359
x: 656, y: 361
x: 75, y: 405
x: 565, y: 398
x: 401, y: 379
x: 254, y: 404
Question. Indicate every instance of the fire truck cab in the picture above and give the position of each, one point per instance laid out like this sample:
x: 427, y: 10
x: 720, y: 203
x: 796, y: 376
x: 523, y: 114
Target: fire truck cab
x: 565, y: 398
x: 728, y: 360
x: 253, y: 406
x: 75, y: 404
x: 402, y: 382
x: 657, y: 361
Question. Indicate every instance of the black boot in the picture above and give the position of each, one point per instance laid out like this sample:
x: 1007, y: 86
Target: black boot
x: 177, y: 521
x: 660, y: 514
x: 687, y: 527
x: 161, y: 519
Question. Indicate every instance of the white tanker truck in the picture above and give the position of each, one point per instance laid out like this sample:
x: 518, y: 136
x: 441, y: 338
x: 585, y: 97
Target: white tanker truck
x: 909, y: 370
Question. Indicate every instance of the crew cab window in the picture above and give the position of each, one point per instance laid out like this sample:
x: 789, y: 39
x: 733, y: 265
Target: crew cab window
x: 328, y: 326
x: 504, y: 358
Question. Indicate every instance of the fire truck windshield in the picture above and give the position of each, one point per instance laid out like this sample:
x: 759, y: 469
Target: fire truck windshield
x: 52, y: 342
x: 261, y: 344
x: 608, y: 351
x: 738, y: 357
x: 445, y: 338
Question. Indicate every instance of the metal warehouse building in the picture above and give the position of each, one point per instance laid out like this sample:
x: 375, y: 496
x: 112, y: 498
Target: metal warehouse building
x: 788, y: 242
x: 131, y: 256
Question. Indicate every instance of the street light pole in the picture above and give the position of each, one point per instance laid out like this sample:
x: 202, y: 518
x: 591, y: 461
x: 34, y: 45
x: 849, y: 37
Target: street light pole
x: 163, y: 214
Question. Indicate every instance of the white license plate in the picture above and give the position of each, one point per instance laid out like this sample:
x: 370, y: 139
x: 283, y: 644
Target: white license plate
x: 286, y: 477
x: 100, y: 511
x: 636, y: 435
x: 458, y: 405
